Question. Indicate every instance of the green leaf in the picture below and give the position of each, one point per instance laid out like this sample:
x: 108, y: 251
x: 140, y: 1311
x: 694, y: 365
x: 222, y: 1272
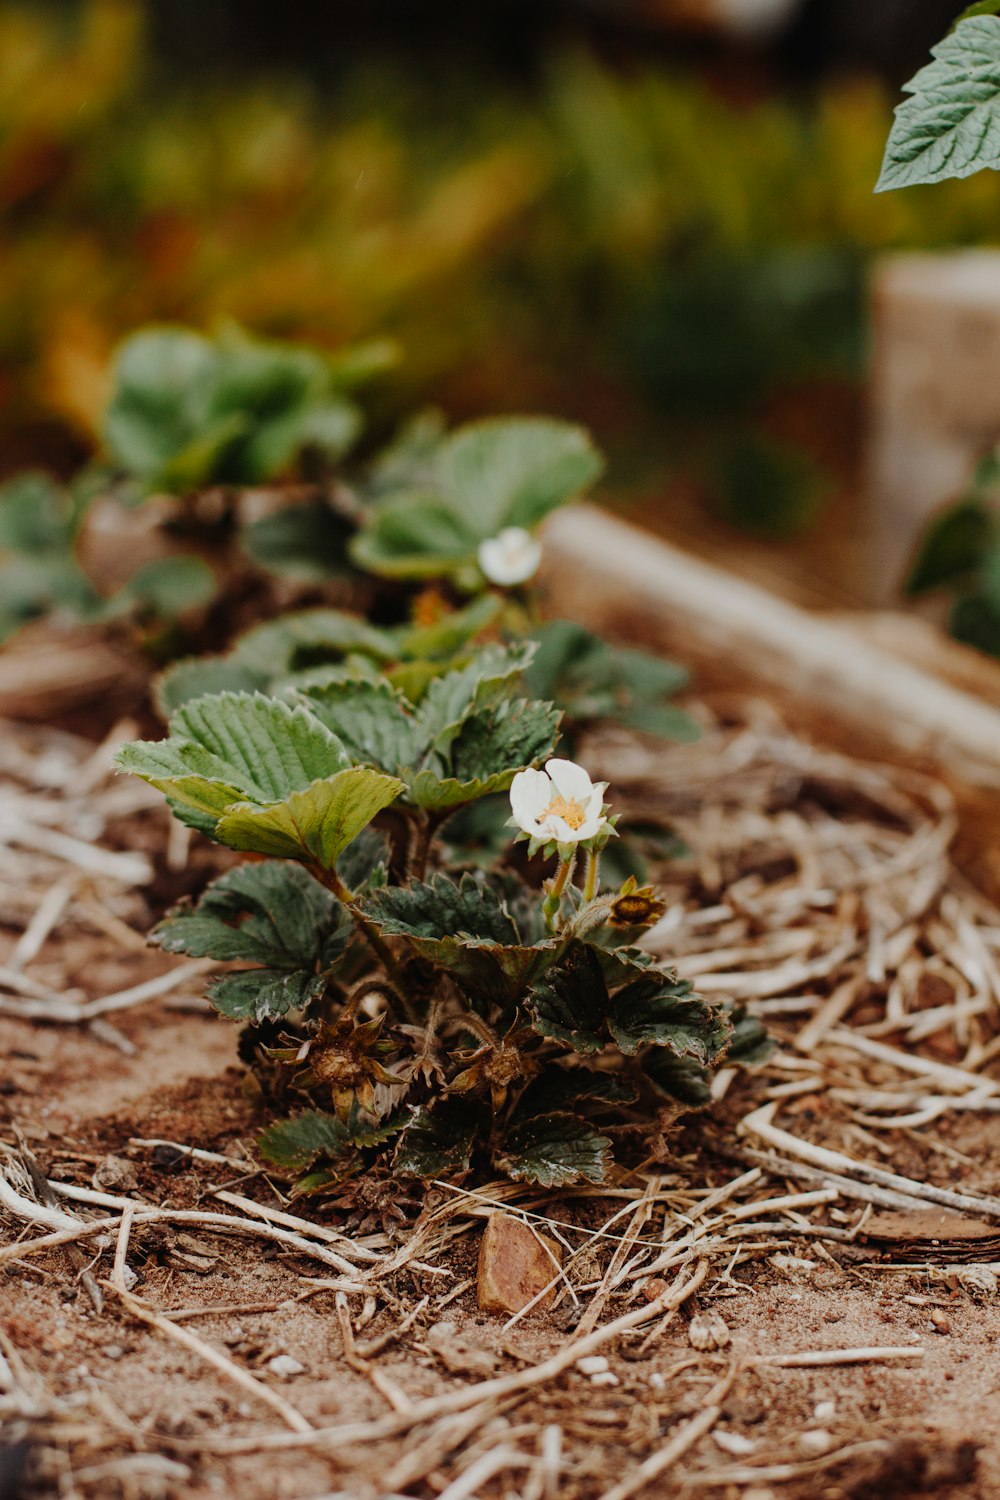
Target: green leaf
x: 751, y: 1044
x: 554, y: 1150
x: 466, y: 929
x: 316, y: 824
x: 953, y: 547
x: 592, y: 680
x: 262, y: 769
x: 451, y: 632
x: 170, y: 586
x: 36, y: 515
x: 570, y: 1004
x: 296, y: 1143
x: 453, y: 695
x: 308, y: 540
x: 950, y: 126
x: 560, y: 1088
x: 311, y: 637
x: 188, y: 411
x: 680, y: 1078
x: 441, y: 909
x: 487, y: 753
x: 272, y: 748
x: 414, y: 536
x: 975, y: 621
x: 512, y: 471
x: 981, y: 8
x: 197, y: 677
x: 440, y: 1139
x: 505, y: 471
x: 370, y: 719
x: 661, y: 1011
x: 271, y: 914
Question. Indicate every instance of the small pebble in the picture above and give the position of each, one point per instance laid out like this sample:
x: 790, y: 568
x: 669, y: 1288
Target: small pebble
x: 592, y: 1364
x: 939, y: 1323
x: 816, y: 1440
x: 604, y: 1377
x: 708, y: 1330
x: 734, y: 1443
x: 825, y: 1411
x: 285, y: 1366
x: 658, y: 1381
x: 113, y: 1351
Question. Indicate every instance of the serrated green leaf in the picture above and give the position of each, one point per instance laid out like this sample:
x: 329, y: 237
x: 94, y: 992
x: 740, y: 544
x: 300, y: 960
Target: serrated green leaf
x: 316, y: 824
x: 750, y: 1044
x: 953, y: 547
x: 451, y: 632
x: 269, y: 748
x: 440, y: 908
x: 570, y: 1004
x: 312, y: 637
x: 661, y: 1011
x: 272, y: 913
x: 375, y: 725
x: 555, y: 1150
x: 680, y: 1078
x: 453, y: 695
x: 262, y: 769
x: 561, y: 1088
x: 981, y: 8
x: 466, y: 929
x: 37, y: 516
x: 414, y: 536
x: 296, y: 1143
x: 950, y: 126
x: 364, y: 864
x: 439, y: 1140
x: 493, y: 744
x: 262, y: 994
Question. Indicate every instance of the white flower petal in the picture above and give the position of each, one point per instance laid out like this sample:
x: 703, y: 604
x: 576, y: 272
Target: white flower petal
x: 589, y: 828
x: 557, y: 828
x: 570, y: 781
x: 530, y: 795
x: 511, y: 557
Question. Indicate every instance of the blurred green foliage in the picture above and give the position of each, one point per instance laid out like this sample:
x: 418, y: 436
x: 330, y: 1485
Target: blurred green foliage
x: 596, y: 242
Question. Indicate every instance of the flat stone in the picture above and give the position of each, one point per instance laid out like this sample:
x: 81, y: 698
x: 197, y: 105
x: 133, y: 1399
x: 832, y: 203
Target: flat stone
x: 514, y: 1266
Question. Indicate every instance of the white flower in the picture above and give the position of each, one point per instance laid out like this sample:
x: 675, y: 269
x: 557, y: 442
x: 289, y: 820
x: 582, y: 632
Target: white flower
x: 510, y: 557
x: 560, y: 804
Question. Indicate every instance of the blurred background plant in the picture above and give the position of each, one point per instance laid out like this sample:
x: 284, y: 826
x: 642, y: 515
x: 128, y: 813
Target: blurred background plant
x: 667, y: 242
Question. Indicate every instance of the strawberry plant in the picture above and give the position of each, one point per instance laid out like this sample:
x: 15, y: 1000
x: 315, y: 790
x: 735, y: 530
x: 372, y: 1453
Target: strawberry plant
x: 398, y: 1005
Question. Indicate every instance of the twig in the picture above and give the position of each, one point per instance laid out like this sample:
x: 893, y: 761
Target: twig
x: 120, y: 1268
x: 289, y: 1414
x: 689, y: 1434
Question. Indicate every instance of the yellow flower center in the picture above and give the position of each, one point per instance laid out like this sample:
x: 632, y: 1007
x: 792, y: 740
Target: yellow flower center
x: 573, y: 814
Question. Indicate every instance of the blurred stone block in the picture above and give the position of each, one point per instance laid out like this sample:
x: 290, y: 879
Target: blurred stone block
x: 515, y: 1264
x: 935, y: 397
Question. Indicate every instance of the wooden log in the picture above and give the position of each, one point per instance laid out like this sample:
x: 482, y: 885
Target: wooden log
x: 830, y: 679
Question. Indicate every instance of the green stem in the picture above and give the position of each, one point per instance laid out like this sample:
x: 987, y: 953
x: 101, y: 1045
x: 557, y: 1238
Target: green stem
x: 593, y: 867
x: 374, y: 939
x: 553, y: 893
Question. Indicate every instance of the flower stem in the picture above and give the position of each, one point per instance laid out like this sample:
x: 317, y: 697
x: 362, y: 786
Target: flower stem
x: 553, y: 894
x: 590, y: 888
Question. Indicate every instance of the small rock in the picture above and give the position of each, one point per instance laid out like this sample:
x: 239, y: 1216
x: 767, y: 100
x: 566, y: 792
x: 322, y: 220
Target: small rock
x: 653, y: 1288
x: 604, y: 1377
x: 795, y: 1267
x: 285, y: 1366
x: 734, y: 1443
x: 113, y: 1351
x: 708, y: 1330
x: 939, y: 1322
x: 816, y: 1440
x: 459, y: 1355
x: 658, y: 1381
x: 515, y: 1265
x: 115, y: 1174
x: 592, y: 1364
x: 825, y: 1411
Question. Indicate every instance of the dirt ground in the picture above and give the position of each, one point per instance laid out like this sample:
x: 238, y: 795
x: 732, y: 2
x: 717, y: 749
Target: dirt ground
x: 381, y: 1376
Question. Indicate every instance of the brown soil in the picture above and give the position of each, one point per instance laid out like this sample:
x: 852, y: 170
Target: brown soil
x: 100, y: 1404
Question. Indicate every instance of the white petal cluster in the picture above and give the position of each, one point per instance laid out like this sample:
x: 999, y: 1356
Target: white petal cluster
x: 510, y: 557
x: 560, y: 804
